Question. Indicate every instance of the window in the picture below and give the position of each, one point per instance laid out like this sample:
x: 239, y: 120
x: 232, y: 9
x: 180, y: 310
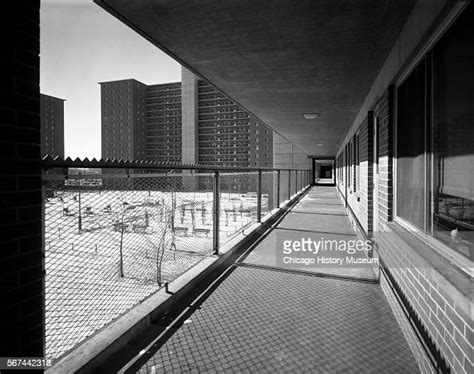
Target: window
x: 453, y: 137
x: 357, y: 161
x: 435, y: 141
x: 349, y: 164
x: 410, y: 147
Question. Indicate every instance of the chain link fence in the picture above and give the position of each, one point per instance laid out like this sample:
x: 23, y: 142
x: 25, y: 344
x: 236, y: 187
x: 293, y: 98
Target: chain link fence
x: 238, y: 203
x: 113, y: 241
x: 284, y: 185
x: 113, y: 237
x: 269, y: 200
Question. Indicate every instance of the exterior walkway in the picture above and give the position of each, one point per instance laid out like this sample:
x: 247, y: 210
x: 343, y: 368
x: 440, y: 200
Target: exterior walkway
x: 325, y: 181
x: 265, y: 318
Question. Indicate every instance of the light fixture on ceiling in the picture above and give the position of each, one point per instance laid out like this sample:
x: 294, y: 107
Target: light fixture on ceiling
x: 310, y: 115
x: 319, y: 145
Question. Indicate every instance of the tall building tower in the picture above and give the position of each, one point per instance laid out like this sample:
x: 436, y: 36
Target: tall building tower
x: 52, y: 126
x: 163, y: 122
x: 124, y: 115
x: 188, y: 121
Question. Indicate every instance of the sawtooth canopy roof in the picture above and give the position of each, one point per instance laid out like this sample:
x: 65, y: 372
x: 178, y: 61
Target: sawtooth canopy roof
x: 279, y: 59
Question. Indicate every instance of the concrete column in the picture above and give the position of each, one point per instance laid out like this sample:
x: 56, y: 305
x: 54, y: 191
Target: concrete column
x: 189, y: 112
x: 189, y: 124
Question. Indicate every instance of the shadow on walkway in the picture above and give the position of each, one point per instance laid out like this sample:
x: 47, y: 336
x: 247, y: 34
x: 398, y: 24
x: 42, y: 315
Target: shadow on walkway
x: 265, y: 318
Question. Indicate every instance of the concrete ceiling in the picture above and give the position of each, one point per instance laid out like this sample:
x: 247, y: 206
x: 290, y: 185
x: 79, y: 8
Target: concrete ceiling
x: 278, y: 58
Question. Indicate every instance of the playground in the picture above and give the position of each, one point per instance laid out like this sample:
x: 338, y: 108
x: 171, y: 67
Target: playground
x: 110, y: 250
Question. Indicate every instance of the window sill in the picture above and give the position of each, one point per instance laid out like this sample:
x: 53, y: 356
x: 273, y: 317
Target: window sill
x: 460, y: 278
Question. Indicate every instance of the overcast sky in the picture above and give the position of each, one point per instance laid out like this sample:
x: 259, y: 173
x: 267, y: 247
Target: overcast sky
x: 82, y: 45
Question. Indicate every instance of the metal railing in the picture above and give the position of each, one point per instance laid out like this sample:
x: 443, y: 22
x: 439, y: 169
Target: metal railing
x: 118, y: 231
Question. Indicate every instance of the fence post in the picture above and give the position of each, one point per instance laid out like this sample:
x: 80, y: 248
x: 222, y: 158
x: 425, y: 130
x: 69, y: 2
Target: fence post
x: 296, y: 181
x: 259, y: 196
x: 216, y: 215
x: 278, y: 190
x: 289, y: 184
x: 79, y: 222
x: 298, y: 176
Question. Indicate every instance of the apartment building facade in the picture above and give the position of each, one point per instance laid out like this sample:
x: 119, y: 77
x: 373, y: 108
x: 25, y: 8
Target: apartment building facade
x: 189, y: 121
x: 52, y: 126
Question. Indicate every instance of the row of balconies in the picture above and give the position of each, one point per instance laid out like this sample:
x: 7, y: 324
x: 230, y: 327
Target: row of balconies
x: 224, y: 152
x: 163, y: 108
x: 158, y: 131
x: 160, y: 121
x: 215, y: 133
x: 224, y: 137
x: 215, y: 103
x: 224, y: 158
x: 175, y: 140
x: 166, y: 114
x: 204, y: 89
x: 168, y: 148
x: 163, y: 136
x: 164, y: 87
x: 221, y: 110
x: 212, y: 143
x: 215, y: 117
x: 224, y: 130
x: 238, y: 145
x: 158, y: 94
x: 164, y: 101
x: 211, y: 96
x: 223, y: 124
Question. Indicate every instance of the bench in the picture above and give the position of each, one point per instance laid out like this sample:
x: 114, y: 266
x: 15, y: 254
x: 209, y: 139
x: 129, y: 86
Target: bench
x: 182, y: 231
x: 199, y: 231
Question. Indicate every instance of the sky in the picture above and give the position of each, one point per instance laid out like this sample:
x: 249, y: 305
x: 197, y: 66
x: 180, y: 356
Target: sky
x: 81, y: 45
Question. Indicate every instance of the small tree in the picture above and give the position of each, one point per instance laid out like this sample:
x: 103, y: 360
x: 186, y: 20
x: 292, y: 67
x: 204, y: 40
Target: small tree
x: 165, y: 237
x: 122, y: 226
x: 147, y: 219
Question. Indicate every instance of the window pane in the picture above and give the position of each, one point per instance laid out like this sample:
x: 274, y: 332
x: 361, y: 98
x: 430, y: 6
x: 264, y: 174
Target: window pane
x: 453, y: 136
x: 410, y: 147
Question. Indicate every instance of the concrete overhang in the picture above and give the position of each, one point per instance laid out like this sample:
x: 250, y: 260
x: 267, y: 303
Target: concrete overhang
x: 280, y: 59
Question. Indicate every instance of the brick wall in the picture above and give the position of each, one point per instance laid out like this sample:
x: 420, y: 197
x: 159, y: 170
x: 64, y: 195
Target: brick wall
x: 21, y: 256
x: 415, y: 345
x: 443, y: 310
x: 439, y: 296
x: 383, y: 113
x: 360, y: 201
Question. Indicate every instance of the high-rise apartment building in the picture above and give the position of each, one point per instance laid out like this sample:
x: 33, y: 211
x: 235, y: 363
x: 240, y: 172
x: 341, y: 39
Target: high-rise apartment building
x: 52, y: 126
x: 123, y: 119
x: 189, y: 121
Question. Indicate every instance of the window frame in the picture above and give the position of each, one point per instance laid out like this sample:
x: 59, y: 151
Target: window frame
x: 357, y: 161
x: 425, y: 55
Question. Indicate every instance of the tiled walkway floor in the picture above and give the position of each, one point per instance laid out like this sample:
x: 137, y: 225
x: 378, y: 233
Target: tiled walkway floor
x: 320, y: 215
x: 261, y: 319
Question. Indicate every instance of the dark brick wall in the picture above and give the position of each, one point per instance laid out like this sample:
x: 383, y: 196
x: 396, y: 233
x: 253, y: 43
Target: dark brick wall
x: 21, y: 255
